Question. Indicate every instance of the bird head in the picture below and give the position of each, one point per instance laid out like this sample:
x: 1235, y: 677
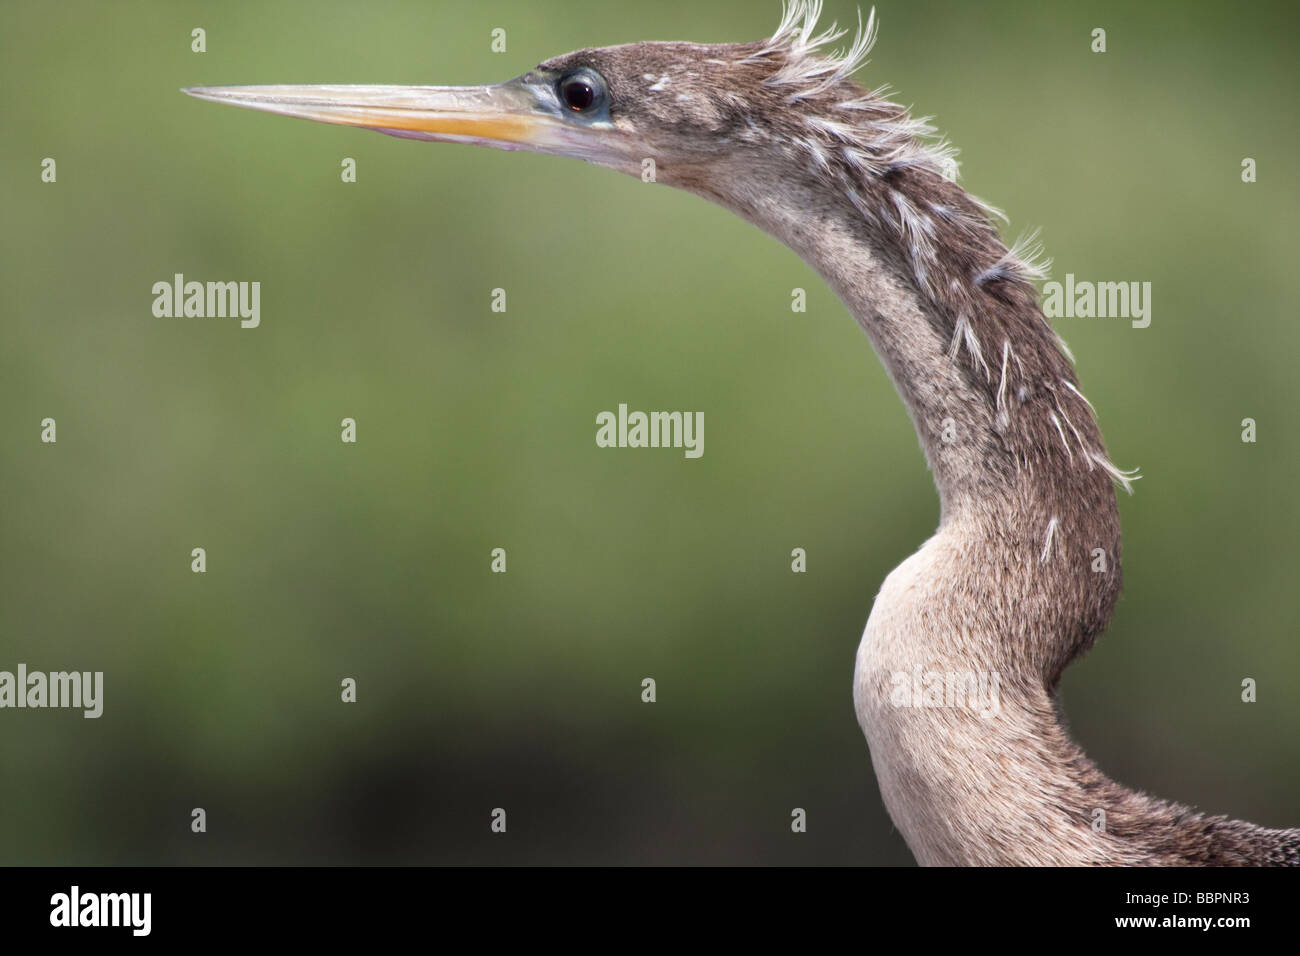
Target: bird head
x: 683, y: 112
x: 675, y: 104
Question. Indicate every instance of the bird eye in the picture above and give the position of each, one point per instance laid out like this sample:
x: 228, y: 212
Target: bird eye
x: 581, y: 90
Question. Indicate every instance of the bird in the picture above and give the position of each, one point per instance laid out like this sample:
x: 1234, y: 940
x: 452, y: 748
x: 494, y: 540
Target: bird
x: 956, y: 678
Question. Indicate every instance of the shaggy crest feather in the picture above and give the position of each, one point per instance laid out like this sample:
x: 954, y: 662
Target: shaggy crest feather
x: 899, y: 139
x: 892, y: 167
x: 1024, y: 260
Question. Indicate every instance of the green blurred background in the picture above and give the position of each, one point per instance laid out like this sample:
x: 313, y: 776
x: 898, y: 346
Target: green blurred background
x: 476, y: 430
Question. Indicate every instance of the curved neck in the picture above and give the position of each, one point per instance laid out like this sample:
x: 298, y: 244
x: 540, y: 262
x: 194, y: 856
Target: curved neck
x: 1023, y: 572
x: 952, y: 419
x: 1036, y: 516
x: 1011, y: 441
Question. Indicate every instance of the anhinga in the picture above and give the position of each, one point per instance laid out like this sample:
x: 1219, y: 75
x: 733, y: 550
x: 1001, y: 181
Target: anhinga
x: 1023, y: 572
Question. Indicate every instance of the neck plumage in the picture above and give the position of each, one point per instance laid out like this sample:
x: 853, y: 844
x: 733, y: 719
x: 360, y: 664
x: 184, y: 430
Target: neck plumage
x: 1014, y: 447
x: 958, y: 667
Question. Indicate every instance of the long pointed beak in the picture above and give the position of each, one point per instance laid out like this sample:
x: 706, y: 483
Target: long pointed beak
x: 508, y: 115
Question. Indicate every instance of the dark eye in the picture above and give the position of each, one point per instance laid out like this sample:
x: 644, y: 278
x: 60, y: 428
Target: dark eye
x: 581, y: 90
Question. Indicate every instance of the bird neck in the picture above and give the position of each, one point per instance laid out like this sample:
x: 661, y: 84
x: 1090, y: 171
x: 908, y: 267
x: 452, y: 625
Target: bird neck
x: 1011, y: 441
x: 972, y: 466
x: 1023, y: 572
x: 1015, y: 451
